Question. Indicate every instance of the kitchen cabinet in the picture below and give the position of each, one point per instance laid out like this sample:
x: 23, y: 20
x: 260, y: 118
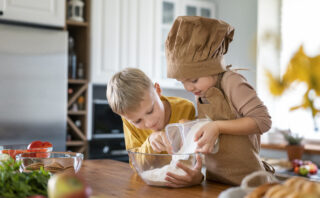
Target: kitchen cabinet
x: 132, y: 33
x: 122, y: 36
x: 42, y: 12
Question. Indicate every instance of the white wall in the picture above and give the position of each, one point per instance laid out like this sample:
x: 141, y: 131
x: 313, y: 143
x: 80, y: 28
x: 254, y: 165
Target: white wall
x: 242, y: 15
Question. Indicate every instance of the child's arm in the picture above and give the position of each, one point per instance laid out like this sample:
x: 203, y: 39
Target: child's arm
x: 254, y: 115
x: 245, y: 101
x: 208, y: 134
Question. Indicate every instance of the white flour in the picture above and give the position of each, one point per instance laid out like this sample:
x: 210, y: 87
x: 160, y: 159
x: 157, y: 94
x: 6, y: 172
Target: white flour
x: 156, y: 177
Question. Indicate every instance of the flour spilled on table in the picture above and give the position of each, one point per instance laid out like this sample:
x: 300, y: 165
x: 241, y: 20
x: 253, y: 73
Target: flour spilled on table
x: 156, y: 177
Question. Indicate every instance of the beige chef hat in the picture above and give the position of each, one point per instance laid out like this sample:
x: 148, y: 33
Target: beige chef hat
x: 195, y: 47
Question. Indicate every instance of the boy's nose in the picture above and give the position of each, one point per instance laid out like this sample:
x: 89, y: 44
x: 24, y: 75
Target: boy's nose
x: 188, y: 87
x: 148, y: 124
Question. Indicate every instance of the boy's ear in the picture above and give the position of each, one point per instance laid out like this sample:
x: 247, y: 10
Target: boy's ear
x: 158, y: 89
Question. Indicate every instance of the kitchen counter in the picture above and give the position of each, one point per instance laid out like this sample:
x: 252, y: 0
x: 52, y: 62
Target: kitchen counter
x: 116, y: 179
x: 308, y: 148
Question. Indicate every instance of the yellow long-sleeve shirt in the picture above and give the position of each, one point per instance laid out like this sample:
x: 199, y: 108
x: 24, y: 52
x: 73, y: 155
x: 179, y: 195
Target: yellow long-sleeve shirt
x: 138, y: 138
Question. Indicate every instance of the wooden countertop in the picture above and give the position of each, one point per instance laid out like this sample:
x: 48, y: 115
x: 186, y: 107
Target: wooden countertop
x: 308, y: 148
x: 116, y: 179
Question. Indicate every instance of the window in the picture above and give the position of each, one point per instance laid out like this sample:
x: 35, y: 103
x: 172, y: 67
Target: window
x: 191, y: 11
x: 167, y: 12
x: 297, y: 24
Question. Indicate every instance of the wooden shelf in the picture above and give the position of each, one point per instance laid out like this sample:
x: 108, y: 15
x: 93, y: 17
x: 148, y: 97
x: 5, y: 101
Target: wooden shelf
x: 77, y: 112
x: 77, y: 94
x: 80, y: 32
x: 77, y: 81
x: 75, y: 129
x: 76, y: 23
x: 75, y: 143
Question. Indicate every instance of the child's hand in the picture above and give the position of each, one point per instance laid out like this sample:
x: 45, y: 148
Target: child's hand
x: 193, y: 175
x: 206, y: 137
x: 159, y: 142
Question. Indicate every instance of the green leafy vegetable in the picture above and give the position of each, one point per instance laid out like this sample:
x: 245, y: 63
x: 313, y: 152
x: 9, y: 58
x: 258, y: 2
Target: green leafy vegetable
x: 14, y: 184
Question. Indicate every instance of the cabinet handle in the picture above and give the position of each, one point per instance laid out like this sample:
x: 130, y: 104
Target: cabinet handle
x: 1, y: 12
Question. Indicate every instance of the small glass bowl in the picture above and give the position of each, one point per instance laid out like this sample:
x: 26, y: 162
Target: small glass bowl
x: 15, y: 149
x: 54, y: 162
x: 152, y: 168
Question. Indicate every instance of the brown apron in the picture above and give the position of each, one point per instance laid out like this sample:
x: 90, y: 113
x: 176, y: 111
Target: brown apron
x: 237, y: 155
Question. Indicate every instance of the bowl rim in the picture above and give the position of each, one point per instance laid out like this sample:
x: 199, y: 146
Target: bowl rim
x: 160, y: 154
x: 73, y: 154
x: 12, y: 145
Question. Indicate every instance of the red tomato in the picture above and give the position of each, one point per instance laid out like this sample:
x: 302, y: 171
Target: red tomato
x: 39, y: 144
x: 13, y: 153
x: 35, y: 144
x: 46, y: 144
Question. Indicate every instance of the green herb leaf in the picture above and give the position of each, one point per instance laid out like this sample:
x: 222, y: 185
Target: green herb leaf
x: 14, y: 184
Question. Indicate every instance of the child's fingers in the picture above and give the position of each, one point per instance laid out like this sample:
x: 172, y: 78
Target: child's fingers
x: 204, y: 149
x: 202, y: 141
x: 162, y: 146
x: 198, y: 135
x: 198, y: 165
x: 174, y: 183
x: 178, y: 179
x: 185, y: 168
x: 166, y: 142
x: 190, y: 171
x: 156, y: 146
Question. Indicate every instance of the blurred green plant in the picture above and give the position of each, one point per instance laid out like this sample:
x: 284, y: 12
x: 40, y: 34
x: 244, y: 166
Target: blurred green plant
x: 292, y: 138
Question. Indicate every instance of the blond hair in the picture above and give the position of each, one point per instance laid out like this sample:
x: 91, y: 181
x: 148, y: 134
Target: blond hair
x: 126, y: 89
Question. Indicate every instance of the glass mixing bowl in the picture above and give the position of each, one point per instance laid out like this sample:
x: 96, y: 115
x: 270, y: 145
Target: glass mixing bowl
x: 54, y: 162
x: 152, y: 168
x: 15, y: 149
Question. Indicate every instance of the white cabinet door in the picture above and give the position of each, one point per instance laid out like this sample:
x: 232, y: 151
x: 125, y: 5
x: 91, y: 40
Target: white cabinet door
x: 122, y: 35
x: 44, y: 12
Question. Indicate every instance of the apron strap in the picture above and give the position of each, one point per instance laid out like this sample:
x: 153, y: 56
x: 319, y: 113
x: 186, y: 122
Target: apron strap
x: 220, y: 75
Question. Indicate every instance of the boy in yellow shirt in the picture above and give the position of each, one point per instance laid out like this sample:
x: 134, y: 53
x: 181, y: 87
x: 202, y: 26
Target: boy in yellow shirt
x: 144, y: 111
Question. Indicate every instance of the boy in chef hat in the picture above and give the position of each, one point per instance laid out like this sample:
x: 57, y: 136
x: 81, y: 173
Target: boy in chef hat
x: 194, y: 50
